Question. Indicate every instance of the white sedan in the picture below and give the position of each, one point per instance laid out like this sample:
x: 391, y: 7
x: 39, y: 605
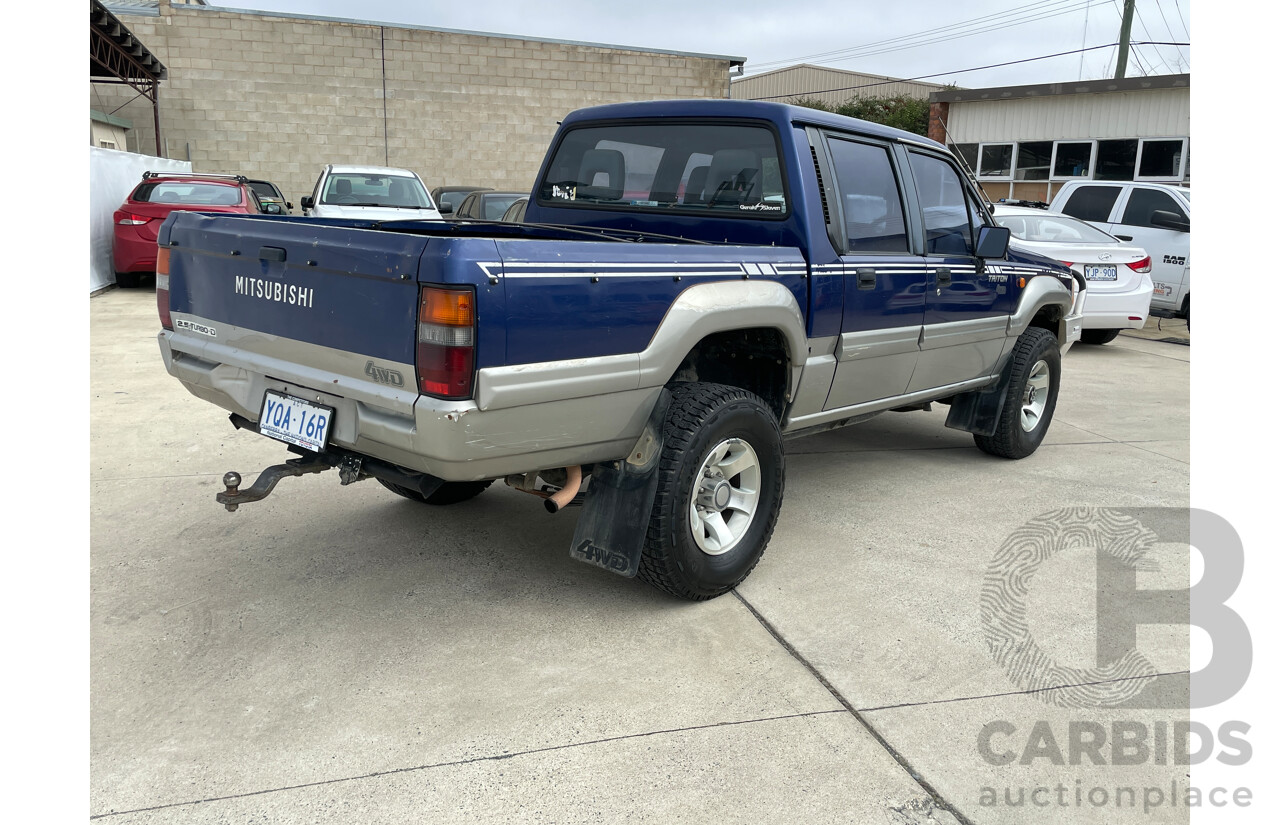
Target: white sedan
x: 1117, y: 275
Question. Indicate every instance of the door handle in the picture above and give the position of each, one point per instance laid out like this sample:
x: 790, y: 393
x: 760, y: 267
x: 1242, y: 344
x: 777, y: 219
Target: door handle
x: 866, y: 278
x: 943, y: 276
x: 1125, y: 237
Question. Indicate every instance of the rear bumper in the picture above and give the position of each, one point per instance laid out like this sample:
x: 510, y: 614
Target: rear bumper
x: 131, y: 253
x: 452, y: 440
x: 1118, y: 310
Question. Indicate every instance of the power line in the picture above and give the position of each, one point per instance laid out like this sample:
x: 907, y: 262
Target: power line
x: 959, y: 36
x: 958, y: 25
x: 961, y: 71
x: 952, y: 32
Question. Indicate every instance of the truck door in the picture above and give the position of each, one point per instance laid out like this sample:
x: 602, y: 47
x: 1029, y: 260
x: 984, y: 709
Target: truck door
x: 965, y: 314
x: 884, y: 281
x: 1170, y: 249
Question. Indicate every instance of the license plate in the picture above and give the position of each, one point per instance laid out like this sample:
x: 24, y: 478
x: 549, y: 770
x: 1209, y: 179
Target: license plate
x: 295, y: 421
x: 1100, y: 273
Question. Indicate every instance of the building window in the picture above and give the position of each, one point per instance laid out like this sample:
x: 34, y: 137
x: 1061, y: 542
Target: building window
x: 995, y: 161
x: 1160, y: 159
x: 1034, y: 159
x: 968, y: 154
x: 1072, y: 159
x: 1117, y: 159
x: 107, y: 144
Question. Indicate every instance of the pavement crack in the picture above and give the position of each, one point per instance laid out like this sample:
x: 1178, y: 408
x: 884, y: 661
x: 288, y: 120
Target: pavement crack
x: 459, y: 762
x: 1023, y: 692
x: 938, y: 799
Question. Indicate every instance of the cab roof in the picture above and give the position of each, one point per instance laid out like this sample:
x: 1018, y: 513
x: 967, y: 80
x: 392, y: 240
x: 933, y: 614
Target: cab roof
x: 782, y: 115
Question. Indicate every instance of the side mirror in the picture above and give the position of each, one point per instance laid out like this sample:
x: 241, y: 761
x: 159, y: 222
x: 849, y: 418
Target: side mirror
x: 993, y: 241
x: 446, y: 208
x: 271, y: 208
x: 1170, y: 220
x: 288, y: 205
x: 308, y: 202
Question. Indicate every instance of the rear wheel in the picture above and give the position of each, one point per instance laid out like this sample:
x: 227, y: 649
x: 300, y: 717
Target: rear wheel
x: 1098, y: 336
x: 1030, y: 399
x: 719, y: 490
x: 128, y: 280
x: 451, y: 492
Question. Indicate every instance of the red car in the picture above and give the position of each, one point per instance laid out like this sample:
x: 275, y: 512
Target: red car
x: 137, y: 221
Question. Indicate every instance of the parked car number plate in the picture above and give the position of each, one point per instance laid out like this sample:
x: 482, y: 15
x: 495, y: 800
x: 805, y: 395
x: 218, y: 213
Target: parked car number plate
x: 1100, y: 273
x: 295, y: 421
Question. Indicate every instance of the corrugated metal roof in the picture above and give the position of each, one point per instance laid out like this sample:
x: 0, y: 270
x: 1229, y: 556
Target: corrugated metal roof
x: 830, y: 85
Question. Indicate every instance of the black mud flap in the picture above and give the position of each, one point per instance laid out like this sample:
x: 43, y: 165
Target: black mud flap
x: 615, y: 514
x: 978, y: 412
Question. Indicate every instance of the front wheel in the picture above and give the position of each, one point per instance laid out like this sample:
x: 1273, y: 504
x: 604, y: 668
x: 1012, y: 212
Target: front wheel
x: 1030, y: 399
x: 1098, y: 336
x: 720, y: 481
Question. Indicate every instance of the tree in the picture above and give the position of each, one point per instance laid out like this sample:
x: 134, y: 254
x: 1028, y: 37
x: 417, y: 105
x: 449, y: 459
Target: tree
x: 899, y: 111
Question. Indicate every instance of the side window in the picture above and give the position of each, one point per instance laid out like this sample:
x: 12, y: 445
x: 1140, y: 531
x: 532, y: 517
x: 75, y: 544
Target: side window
x: 1092, y: 203
x: 947, y: 219
x: 1142, y: 202
x: 869, y: 196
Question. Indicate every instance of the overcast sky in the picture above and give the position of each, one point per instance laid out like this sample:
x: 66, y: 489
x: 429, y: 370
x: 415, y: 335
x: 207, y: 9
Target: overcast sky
x: 909, y: 38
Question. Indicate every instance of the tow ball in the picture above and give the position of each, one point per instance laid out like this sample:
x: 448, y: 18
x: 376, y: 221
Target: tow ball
x: 266, y: 481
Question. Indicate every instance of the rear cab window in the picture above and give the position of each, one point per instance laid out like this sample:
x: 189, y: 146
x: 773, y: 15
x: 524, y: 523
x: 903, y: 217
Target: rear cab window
x: 726, y: 169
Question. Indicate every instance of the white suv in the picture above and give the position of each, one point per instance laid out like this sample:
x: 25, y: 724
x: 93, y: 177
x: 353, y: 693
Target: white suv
x: 1155, y: 216
x: 371, y: 193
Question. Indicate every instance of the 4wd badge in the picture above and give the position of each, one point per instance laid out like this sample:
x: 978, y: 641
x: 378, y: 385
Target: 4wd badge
x: 384, y: 376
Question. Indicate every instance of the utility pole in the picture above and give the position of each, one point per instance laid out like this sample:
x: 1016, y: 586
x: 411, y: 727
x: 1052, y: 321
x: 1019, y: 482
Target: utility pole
x: 1122, y: 57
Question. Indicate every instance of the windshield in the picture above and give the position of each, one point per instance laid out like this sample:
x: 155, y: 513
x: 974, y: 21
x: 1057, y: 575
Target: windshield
x: 350, y: 189
x: 202, y: 194
x: 1051, y: 228
x: 730, y: 169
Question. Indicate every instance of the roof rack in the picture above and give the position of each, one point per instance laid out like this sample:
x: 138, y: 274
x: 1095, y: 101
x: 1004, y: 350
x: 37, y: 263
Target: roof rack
x: 1017, y: 202
x: 236, y: 178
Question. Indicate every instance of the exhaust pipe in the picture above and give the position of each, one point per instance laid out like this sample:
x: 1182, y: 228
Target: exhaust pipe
x: 554, y: 503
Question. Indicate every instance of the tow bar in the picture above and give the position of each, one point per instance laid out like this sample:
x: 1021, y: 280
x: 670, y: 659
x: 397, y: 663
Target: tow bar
x: 352, y: 467
x: 266, y: 481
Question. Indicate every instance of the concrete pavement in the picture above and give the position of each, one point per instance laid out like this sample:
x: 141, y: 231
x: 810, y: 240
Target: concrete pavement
x: 341, y: 654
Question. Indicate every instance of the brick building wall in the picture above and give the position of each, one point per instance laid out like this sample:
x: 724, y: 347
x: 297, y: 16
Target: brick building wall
x: 278, y: 97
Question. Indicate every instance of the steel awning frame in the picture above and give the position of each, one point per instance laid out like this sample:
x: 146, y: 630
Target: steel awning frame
x: 117, y: 56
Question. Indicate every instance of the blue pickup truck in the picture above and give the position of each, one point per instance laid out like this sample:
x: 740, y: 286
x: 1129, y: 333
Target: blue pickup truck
x: 694, y: 282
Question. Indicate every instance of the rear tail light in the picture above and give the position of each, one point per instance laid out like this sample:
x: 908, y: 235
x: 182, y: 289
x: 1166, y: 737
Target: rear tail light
x: 130, y: 219
x: 162, y: 287
x: 446, y: 342
x: 1143, y: 265
x: 1067, y: 263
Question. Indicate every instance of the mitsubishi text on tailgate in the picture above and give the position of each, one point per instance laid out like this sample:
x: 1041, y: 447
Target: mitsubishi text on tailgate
x: 694, y: 282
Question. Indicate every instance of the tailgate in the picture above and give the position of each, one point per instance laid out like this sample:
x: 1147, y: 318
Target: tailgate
x: 329, y: 308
